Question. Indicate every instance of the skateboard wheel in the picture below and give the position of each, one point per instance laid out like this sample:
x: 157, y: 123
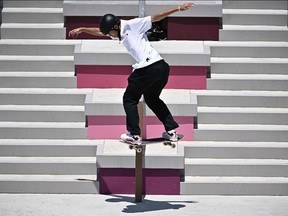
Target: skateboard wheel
x: 167, y: 143
x: 139, y: 150
x: 131, y: 147
x: 173, y: 145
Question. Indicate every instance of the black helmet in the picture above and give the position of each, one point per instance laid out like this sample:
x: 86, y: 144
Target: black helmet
x: 108, y: 22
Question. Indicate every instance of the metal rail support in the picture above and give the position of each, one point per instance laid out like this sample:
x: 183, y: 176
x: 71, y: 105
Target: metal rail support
x: 138, y: 176
x: 139, y: 159
x: 141, y: 12
x: 139, y: 155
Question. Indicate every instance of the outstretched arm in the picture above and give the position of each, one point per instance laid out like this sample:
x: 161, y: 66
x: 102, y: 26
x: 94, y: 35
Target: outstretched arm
x: 161, y: 15
x: 93, y: 31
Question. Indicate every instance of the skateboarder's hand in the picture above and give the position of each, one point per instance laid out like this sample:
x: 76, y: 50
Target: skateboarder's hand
x: 75, y: 32
x: 186, y: 6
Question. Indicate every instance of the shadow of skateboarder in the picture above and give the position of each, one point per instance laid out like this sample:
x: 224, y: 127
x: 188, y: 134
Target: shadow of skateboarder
x: 147, y: 205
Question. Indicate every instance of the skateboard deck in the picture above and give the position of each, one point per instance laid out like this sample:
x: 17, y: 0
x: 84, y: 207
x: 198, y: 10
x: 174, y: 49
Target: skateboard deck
x: 138, y: 146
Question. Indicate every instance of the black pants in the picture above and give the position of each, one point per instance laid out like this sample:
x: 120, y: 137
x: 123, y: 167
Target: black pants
x: 150, y: 82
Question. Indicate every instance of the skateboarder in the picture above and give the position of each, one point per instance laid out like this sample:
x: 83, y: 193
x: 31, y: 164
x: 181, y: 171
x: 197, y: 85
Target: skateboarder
x: 150, y: 72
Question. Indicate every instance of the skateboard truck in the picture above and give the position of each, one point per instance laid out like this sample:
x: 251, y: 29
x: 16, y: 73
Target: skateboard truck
x: 137, y: 147
x: 169, y: 143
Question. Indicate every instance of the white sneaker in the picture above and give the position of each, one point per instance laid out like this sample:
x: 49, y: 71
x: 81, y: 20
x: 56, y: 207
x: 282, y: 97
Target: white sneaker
x: 132, y: 139
x: 170, y: 136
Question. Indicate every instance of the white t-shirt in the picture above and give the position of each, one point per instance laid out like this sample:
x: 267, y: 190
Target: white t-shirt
x: 133, y: 37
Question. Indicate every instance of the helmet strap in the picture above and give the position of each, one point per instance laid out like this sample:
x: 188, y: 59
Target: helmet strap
x: 118, y: 30
x: 119, y: 35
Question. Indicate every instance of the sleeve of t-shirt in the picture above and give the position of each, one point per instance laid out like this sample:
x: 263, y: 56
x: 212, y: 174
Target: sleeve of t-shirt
x: 141, y: 25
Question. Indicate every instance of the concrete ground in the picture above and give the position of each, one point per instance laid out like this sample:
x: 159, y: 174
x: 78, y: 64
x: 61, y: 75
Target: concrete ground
x: 97, y: 205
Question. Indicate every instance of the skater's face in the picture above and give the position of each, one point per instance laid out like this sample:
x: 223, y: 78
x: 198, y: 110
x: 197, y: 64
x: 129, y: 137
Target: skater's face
x: 113, y: 33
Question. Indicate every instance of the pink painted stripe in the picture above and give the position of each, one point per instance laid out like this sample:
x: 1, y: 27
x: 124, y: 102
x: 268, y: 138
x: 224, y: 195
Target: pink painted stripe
x: 193, y: 28
x: 111, y: 127
x: 102, y: 76
x: 155, y: 181
x: 187, y: 77
x: 106, y: 127
x: 178, y: 28
x: 154, y: 127
x: 115, y: 76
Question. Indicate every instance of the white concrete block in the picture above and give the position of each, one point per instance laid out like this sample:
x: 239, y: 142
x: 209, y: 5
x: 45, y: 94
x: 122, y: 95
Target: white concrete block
x: 205, y: 8
x: 114, y: 154
x: 109, y: 102
x: 177, y: 53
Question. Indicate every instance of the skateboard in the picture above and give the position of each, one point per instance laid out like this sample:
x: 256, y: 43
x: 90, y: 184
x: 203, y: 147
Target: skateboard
x: 138, y: 147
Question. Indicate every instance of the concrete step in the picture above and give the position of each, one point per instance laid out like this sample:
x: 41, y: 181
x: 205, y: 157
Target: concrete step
x: 256, y: 4
x: 218, y: 185
x: 249, y: 65
x: 130, y: 8
x: 33, y: 74
x: 246, y: 49
x: 237, y: 150
x: 43, y: 130
x: 257, y: 82
x: 32, y: 15
x: 235, y: 115
x: 109, y: 102
x: 48, y: 147
x: 32, y: 31
x: 33, y: 3
x: 176, y: 53
x: 114, y: 154
x: 36, y: 63
x: 253, y: 33
x: 241, y: 133
x: 42, y: 96
x: 236, y: 167
x: 38, y: 82
x: 37, y: 47
x: 218, y: 98
x: 38, y: 113
x: 98, y: 8
x: 49, y: 184
x: 255, y: 17
x: 48, y: 165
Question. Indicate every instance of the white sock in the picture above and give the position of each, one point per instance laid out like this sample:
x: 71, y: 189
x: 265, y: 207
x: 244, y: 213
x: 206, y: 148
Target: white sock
x: 171, y: 131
